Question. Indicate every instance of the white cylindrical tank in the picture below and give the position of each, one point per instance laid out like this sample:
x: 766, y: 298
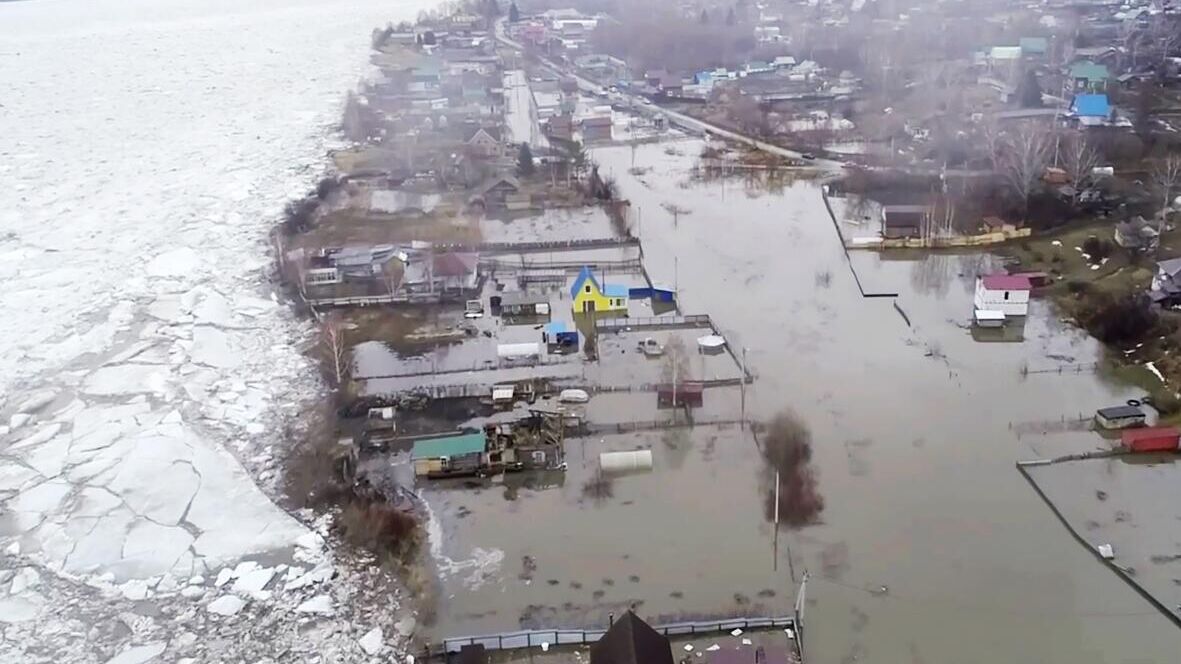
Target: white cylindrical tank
x: 622, y: 462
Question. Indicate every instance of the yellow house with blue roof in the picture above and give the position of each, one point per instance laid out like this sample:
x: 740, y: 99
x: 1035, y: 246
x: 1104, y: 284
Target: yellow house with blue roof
x: 589, y: 296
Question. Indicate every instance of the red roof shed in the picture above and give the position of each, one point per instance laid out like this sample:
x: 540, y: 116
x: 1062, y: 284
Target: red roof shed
x: 1152, y: 439
x: 1006, y: 282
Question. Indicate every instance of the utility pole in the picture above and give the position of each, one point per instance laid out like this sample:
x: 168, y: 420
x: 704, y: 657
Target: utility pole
x: 742, y: 419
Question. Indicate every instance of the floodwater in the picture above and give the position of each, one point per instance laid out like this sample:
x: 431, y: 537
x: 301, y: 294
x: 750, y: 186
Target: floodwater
x: 912, y: 432
x: 930, y: 546
x: 1130, y: 502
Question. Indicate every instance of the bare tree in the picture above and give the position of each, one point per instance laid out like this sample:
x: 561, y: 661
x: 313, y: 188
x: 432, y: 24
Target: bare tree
x: 335, y: 349
x: 1167, y: 175
x: 1023, y: 158
x: 990, y: 133
x: 1079, y: 160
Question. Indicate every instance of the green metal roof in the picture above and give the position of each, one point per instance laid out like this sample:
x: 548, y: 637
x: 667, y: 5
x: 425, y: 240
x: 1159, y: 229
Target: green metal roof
x: 1089, y: 70
x: 451, y: 446
x: 1034, y: 45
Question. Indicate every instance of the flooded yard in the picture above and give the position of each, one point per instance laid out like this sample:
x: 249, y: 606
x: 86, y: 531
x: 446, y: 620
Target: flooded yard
x: 930, y: 545
x: 912, y: 429
x: 684, y: 540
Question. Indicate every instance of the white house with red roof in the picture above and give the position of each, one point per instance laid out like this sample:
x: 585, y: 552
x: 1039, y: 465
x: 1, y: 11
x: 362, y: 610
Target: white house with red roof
x: 1006, y: 293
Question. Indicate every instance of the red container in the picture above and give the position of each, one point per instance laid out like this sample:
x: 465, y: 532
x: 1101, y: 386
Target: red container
x: 1152, y: 439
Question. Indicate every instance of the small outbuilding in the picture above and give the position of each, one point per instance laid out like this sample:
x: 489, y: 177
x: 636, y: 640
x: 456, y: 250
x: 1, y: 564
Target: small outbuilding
x: 630, y: 640
x: 559, y: 337
x: 1120, y: 417
x: 451, y: 455
x: 903, y: 220
x: 524, y: 303
x: 655, y: 292
x: 1007, y: 293
x: 1151, y: 439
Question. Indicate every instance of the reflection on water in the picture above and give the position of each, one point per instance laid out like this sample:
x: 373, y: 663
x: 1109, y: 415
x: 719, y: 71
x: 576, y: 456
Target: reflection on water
x: 786, y: 447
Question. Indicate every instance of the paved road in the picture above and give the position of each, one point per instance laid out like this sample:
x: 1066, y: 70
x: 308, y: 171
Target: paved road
x: 679, y: 119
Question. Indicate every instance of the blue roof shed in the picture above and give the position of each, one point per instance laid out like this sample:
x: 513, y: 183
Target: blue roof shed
x: 558, y: 333
x: 1091, y: 106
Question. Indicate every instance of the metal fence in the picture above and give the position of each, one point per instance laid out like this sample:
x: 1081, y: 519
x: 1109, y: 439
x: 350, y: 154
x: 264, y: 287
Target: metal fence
x: 556, y: 637
x: 653, y: 322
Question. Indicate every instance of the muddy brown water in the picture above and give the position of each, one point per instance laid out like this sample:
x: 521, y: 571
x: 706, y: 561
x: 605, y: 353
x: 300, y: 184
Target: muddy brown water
x: 930, y: 548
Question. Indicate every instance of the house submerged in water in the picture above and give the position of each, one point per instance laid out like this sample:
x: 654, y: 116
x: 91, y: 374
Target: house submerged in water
x: 535, y: 442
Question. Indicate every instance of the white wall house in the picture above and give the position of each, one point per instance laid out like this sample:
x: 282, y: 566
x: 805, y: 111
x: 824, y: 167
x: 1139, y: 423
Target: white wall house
x: 1003, y: 292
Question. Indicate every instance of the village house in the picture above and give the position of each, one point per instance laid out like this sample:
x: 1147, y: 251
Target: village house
x: 1137, y: 235
x: 900, y: 221
x: 589, y: 296
x: 494, y: 193
x: 455, y: 271
x: 462, y: 454
x: 1008, y: 294
x: 1089, y: 76
x: 1166, y: 283
x: 1091, y: 109
x: 596, y: 128
x: 481, y: 141
x: 524, y: 304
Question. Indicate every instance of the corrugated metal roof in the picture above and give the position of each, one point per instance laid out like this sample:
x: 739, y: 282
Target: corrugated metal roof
x: 1116, y: 412
x: 1091, y: 106
x: 614, y: 290
x: 434, y: 448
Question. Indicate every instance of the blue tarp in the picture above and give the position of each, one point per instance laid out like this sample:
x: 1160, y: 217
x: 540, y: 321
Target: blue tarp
x: 1091, y: 106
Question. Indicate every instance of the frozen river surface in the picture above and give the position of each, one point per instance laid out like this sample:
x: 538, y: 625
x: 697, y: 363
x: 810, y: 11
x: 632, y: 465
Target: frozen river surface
x: 147, y: 149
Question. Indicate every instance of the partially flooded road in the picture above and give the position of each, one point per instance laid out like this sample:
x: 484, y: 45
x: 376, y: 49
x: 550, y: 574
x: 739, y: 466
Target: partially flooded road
x: 931, y: 547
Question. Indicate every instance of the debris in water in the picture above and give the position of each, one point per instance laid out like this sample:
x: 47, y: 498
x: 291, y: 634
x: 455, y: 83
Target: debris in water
x: 736, y: 632
x: 1106, y: 551
x: 688, y: 647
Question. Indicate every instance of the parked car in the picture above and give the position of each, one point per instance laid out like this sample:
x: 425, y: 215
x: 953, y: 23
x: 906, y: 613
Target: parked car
x: 651, y: 347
